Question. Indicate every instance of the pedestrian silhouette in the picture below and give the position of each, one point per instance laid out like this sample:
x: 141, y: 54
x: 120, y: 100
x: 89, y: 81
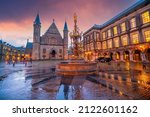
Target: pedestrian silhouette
x: 144, y: 66
x: 13, y: 63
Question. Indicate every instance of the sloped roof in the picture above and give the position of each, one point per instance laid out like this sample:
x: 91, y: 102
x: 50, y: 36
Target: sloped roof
x: 93, y: 27
x: 37, y: 20
x: 52, y: 32
x: 29, y: 45
x: 53, y: 29
x: 20, y: 48
x: 129, y: 10
x: 65, y: 26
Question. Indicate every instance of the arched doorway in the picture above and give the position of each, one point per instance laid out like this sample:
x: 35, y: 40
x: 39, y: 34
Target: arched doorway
x: 126, y: 56
x: 111, y: 56
x: 147, y: 54
x: 137, y: 55
x: 53, y: 54
x: 117, y: 55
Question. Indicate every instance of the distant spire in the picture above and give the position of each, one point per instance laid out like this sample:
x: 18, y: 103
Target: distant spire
x: 37, y: 20
x: 53, y: 20
x: 65, y: 26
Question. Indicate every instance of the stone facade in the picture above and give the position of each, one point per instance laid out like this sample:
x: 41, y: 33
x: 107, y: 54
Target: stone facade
x: 50, y: 45
x: 125, y: 37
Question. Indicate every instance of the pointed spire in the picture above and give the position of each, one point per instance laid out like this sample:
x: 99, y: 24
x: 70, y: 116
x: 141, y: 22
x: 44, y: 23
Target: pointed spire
x: 65, y: 26
x: 37, y: 20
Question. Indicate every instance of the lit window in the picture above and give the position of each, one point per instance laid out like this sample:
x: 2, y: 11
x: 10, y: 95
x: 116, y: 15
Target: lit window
x: 147, y: 35
x: 115, y: 30
x: 116, y: 41
x: 104, y: 44
x: 146, y: 17
x: 97, y: 36
x: 104, y: 35
x: 133, y: 23
x: 117, y: 55
x: 98, y: 45
x: 109, y: 33
x: 135, y: 39
x: 91, y: 46
x: 88, y: 47
x: 124, y: 40
x: 123, y: 27
x: 109, y: 43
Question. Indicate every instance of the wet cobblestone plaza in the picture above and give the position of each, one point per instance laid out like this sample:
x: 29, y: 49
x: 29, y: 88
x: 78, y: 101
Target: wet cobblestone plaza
x: 39, y: 81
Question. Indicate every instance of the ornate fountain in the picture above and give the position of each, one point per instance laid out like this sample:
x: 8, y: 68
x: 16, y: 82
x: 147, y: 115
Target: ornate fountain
x: 77, y: 65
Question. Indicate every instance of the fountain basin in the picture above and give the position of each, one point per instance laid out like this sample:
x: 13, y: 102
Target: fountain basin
x: 76, y: 68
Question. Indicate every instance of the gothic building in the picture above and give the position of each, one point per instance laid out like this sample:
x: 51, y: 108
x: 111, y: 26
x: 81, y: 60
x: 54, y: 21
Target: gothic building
x: 51, y: 45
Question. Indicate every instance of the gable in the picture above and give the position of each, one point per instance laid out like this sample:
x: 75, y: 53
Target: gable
x: 51, y: 34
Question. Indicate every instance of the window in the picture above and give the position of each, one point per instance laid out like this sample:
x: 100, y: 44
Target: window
x: 109, y: 43
x: 124, y: 40
x: 116, y: 42
x: 60, y: 51
x: 104, y: 35
x: 115, y: 30
x: 87, y: 48
x: 98, y: 45
x: 135, y: 39
x: 133, y: 23
x: 146, y: 17
x: 44, y: 50
x: 91, y: 37
x: 53, y: 41
x: 92, y: 46
x: 109, y: 33
x: 147, y: 35
x: 104, y: 45
x: 97, y: 36
x: 88, y: 39
x: 123, y: 27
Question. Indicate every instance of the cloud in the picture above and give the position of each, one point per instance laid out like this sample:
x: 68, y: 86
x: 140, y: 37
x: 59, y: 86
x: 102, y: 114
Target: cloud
x: 17, y: 16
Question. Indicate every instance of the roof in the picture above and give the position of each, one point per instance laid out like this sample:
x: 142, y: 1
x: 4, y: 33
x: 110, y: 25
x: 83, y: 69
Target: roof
x: 129, y: 10
x: 126, y: 12
x: 29, y: 45
x: 37, y: 20
x: 20, y: 48
x: 65, y: 26
x: 93, y: 27
x: 53, y: 29
x: 52, y: 33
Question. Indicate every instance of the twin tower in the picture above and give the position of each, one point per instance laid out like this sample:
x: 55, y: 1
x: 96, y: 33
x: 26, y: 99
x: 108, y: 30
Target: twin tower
x: 50, y: 45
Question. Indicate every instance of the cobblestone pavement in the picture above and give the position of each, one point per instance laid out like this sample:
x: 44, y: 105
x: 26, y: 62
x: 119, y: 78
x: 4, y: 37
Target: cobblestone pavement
x: 39, y: 81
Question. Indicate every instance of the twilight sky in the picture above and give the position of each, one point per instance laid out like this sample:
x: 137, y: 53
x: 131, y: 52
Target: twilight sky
x: 17, y: 16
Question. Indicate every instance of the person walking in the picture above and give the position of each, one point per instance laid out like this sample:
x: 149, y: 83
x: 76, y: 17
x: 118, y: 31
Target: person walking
x: 25, y: 62
x: 144, y: 67
x: 13, y: 63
